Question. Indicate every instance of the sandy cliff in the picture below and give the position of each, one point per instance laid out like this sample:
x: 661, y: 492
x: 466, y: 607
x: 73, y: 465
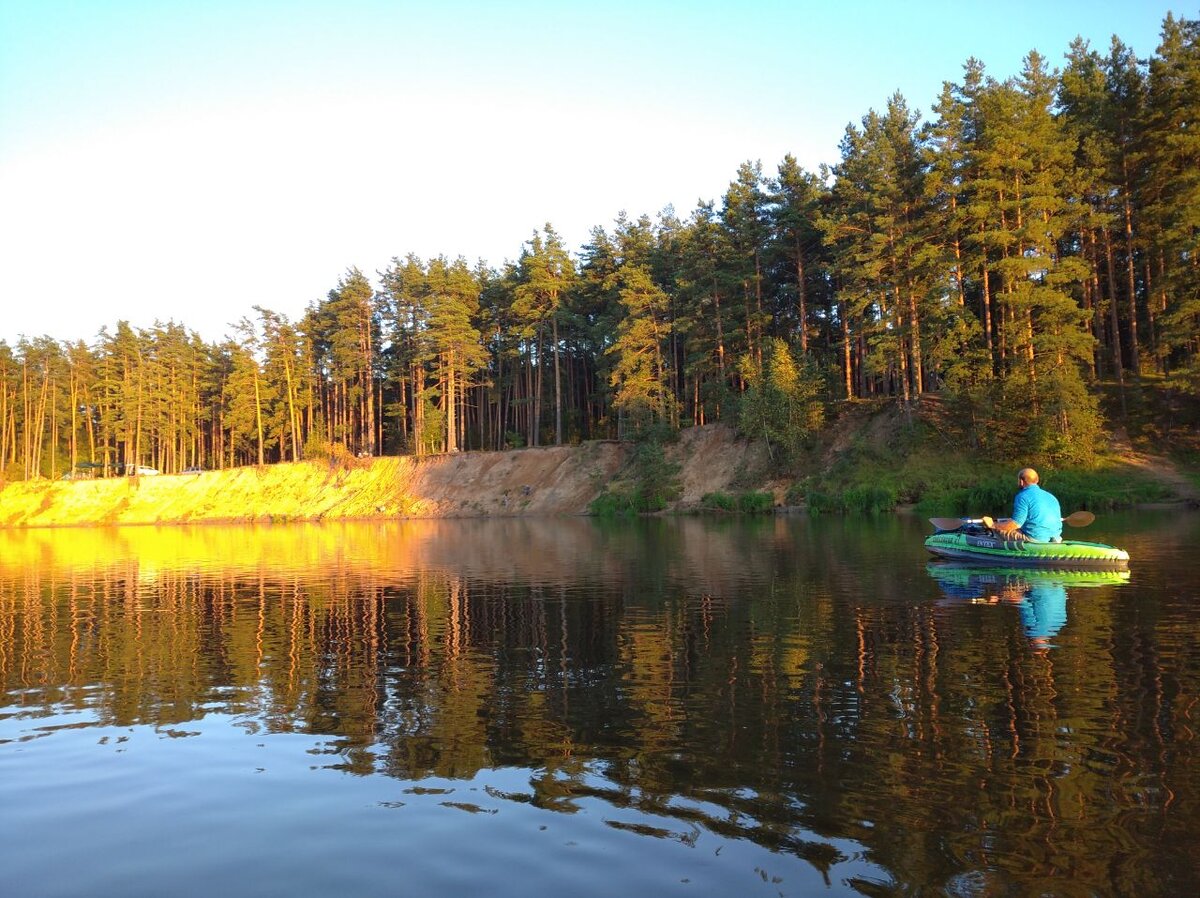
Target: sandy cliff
x: 543, y: 481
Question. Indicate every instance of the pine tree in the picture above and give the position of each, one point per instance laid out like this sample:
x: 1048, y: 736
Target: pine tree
x: 1082, y: 100
x: 283, y: 369
x: 705, y: 288
x: 547, y: 273
x: 957, y: 347
x: 873, y: 223
x: 452, y: 302
x: 597, y: 309
x: 406, y: 320
x: 1023, y: 154
x: 1170, y: 189
x: 247, y: 394
x: 796, y: 197
x: 745, y: 214
x: 640, y: 376
x: 344, y: 334
x: 1125, y: 96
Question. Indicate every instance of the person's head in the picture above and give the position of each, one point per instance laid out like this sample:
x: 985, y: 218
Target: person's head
x: 1027, y: 477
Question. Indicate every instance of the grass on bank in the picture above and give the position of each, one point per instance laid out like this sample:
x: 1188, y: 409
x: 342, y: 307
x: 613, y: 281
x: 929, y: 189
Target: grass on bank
x: 914, y: 464
x: 650, y: 482
x: 749, y: 502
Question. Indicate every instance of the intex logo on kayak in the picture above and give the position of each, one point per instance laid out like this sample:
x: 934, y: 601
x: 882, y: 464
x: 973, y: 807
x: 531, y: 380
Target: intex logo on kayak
x: 983, y: 542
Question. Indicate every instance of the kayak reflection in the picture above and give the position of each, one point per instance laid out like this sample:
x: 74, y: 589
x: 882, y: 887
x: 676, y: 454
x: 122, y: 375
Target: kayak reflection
x: 1040, y: 595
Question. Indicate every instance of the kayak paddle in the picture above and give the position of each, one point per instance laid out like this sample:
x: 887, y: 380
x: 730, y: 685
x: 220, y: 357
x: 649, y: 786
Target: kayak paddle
x: 1075, y: 519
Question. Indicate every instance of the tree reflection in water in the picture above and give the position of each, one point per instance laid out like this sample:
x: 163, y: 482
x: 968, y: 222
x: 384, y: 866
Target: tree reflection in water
x: 792, y: 683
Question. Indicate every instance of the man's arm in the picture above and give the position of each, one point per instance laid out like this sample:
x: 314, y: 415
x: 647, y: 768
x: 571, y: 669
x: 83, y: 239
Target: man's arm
x: 1021, y: 508
x: 1019, y: 515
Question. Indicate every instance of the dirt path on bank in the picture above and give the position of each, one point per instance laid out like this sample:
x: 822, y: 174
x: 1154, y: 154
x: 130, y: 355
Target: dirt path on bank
x: 1164, y: 471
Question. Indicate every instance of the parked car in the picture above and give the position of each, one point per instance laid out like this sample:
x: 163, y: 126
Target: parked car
x: 144, y: 471
x: 192, y: 470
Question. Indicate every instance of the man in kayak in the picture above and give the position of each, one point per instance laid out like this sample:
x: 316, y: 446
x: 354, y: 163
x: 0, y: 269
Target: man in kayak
x: 1036, y: 516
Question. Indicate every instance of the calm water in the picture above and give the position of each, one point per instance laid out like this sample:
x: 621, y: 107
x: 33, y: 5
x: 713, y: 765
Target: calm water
x: 540, y: 708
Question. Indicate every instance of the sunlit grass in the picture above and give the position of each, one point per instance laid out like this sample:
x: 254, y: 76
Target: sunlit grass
x: 939, y: 480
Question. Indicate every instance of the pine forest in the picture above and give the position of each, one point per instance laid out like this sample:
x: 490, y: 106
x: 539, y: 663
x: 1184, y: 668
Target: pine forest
x: 1031, y: 242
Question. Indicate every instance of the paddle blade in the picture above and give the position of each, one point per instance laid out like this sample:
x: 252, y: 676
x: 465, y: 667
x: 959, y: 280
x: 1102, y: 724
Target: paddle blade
x: 1079, y: 518
x: 947, y: 523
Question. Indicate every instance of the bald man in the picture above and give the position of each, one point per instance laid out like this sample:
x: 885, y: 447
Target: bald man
x: 1036, y: 516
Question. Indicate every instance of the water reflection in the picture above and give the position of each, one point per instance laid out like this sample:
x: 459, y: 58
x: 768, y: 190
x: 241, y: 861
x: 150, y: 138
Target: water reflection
x: 798, y: 702
x: 1039, y: 595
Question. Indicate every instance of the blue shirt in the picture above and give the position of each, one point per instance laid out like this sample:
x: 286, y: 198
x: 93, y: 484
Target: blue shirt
x: 1038, y: 514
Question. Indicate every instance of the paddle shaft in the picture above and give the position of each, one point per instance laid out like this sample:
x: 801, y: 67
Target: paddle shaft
x: 1075, y: 519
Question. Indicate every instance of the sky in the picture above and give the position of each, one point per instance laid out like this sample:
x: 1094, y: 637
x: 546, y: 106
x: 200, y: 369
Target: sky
x: 189, y: 161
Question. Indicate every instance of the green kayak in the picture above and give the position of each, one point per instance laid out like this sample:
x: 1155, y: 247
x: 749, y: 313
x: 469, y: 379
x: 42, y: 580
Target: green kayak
x: 972, y: 542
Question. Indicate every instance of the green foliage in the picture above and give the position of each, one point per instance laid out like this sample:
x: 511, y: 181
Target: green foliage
x: 640, y: 376
x: 655, y: 479
x: 782, y: 405
x: 863, y: 499
x: 613, y: 504
x: 718, y: 501
x: 755, y: 502
x: 1054, y: 417
x: 1076, y: 488
x: 751, y: 502
x: 652, y: 481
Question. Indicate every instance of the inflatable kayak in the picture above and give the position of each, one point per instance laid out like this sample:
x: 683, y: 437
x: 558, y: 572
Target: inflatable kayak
x: 974, y: 542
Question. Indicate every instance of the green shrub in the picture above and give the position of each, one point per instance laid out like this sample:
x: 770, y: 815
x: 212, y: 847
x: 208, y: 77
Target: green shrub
x: 718, y: 501
x: 863, y: 499
x: 1075, y: 488
x: 796, y: 493
x: 648, y: 499
x: 755, y: 502
x: 995, y: 493
x: 656, y: 480
x: 782, y: 405
x: 613, y: 505
x: 869, y: 499
x: 1099, y: 490
x: 825, y: 503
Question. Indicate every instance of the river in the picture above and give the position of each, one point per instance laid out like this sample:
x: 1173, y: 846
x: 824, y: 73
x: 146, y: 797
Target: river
x: 780, y: 706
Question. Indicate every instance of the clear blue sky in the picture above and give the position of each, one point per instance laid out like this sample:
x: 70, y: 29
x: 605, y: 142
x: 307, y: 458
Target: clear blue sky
x: 187, y: 161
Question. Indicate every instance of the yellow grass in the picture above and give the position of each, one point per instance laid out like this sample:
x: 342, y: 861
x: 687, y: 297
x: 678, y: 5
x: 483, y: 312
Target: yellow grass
x: 468, y: 484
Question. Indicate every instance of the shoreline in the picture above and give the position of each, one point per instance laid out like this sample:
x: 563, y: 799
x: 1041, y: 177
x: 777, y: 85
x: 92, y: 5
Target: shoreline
x: 1180, y: 505
x: 545, y: 482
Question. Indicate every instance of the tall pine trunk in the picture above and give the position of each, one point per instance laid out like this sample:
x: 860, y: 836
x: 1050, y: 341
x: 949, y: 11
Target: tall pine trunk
x: 1114, y: 320
x: 802, y: 297
x: 558, y: 428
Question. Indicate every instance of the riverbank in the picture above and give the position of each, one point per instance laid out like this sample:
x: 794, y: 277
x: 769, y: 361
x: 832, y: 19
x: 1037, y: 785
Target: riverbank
x: 872, y: 457
x: 541, y: 481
